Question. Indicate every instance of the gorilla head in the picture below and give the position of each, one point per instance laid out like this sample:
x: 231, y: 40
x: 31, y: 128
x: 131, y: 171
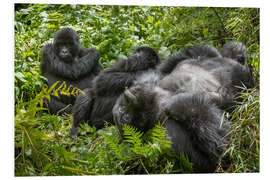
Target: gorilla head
x: 66, y: 44
x: 137, y: 107
x: 235, y: 50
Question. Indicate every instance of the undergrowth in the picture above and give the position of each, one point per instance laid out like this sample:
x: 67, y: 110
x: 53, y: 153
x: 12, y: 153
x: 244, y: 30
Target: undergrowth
x: 42, y: 143
x: 244, y: 149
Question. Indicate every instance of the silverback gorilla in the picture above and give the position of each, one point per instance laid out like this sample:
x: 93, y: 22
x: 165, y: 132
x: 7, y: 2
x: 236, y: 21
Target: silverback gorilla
x: 199, y: 70
x: 197, y: 81
x: 95, y: 107
x: 66, y: 60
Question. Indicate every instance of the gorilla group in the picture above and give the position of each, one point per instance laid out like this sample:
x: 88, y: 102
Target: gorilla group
x: 67, y: 61
x: 186, y: 92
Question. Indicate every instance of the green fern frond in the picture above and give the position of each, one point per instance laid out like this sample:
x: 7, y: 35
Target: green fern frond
x: 133, y: 136
x: 159, y: 134
x: 63, y: 89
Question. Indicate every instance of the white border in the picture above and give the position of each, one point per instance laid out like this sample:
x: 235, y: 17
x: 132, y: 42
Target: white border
x: 7, y: 84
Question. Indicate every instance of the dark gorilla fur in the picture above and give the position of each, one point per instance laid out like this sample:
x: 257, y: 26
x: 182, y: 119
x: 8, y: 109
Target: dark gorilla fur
x: 195, y: 82
x: 66, y: 60
x: 96, y: 105
x: 218, y: 78
x: 194, y: 124
x: 235, y: 50
x: 197, y: 52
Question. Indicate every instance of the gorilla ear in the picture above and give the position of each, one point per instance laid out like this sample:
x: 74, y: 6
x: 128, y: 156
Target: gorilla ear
x: 130, y: 98
x: 77, y: 38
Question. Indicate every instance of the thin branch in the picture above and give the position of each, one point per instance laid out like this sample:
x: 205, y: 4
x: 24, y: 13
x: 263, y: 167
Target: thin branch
x: 219, y: 18
x: 34, y: 146
x: 80, y: 171
x: 23, y: 147
x: 18, y: 156
x: 144, y: 166
x: 164, y: 121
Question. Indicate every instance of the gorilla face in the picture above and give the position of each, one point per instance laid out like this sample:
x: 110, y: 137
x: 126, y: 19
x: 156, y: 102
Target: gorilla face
x: 137, y: 107
x: 66, y: 44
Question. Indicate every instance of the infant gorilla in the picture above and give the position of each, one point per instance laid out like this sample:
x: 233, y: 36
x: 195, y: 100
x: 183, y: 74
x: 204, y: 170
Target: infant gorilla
x: 187, y: 101
x: 67, y: 61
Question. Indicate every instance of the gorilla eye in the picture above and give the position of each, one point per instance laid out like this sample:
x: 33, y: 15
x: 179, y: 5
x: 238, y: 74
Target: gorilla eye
x: 70, y: 43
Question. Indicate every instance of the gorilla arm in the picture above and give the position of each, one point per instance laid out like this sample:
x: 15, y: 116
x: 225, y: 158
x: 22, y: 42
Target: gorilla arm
x: 86, y: 64
x: 80, y: 67
x: 197, y: 52
x: 112, y: 83
x: 81, y: 111
x: 114, y: 80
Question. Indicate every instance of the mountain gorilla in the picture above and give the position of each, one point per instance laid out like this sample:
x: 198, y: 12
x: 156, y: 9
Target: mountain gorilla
x: 67, y: 61
x: 96, y: 105
x: 186, y: 100
x: 198, y: 70
x: 194, y: 124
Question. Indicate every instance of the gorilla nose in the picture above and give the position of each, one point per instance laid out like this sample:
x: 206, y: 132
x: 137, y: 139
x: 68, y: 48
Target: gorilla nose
x: 64, y: 51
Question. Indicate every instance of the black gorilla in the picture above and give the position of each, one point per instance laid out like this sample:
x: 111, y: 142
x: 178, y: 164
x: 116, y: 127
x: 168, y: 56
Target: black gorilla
x: 194, y: 124
x: 186, y: 99
x: 66, y: 60
x: 96, y: 105
x: 218, y: 78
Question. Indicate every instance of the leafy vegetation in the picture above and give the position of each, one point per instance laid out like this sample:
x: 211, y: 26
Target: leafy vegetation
x: 42, y: 143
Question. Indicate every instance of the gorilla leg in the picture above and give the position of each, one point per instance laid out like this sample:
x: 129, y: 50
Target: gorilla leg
x: 57, y: 107
x: 102, y: 111
x: 92, y: 110
x: 205, y: 123
x: 81, y: 111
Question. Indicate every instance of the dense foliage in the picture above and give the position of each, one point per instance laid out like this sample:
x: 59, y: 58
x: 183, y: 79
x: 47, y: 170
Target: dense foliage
x: 42, y: 143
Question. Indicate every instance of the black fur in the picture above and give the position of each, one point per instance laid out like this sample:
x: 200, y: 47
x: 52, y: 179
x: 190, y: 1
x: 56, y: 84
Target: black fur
x: 96, y: 105
x: 197, y: 52
x: 66, y: 60
x: 218, y: 78
x: 186, y: 101
x: 196, y: 126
